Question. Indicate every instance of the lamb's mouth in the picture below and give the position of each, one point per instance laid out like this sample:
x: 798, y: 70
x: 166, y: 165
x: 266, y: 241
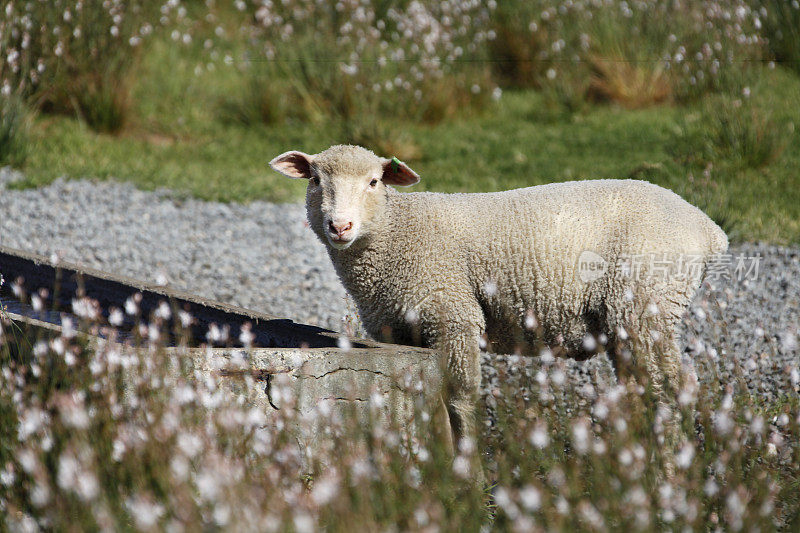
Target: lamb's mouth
x: 340, y: 244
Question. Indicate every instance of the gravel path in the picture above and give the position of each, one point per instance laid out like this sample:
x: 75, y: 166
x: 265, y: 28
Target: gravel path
x: 262, y: 256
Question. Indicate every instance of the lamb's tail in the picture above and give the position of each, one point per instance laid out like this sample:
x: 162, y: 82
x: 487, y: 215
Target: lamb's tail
x: 717, y: 245
x: 718, y: 240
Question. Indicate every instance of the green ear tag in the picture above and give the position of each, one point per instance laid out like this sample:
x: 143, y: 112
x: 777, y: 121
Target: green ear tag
x: 395, y: 164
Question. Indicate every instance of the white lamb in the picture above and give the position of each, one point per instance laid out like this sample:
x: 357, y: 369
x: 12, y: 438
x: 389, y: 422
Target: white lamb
x: 458, y: 271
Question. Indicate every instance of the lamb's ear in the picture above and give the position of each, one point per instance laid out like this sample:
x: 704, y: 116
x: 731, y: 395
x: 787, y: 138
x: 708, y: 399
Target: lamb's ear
x: 395, y: 172
x: 293, y: 164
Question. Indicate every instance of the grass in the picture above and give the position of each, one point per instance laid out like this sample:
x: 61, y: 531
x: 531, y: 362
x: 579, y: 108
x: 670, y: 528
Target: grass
x: 13, y: 132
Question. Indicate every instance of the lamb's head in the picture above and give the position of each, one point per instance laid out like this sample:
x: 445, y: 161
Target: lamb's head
x: 346, y: 194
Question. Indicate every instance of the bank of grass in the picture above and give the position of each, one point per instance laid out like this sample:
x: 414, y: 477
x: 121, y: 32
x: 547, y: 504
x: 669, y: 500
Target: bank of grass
x: 180, y: 138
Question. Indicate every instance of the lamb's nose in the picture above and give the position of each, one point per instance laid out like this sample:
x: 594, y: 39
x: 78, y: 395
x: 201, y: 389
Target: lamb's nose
x: 340, y: 228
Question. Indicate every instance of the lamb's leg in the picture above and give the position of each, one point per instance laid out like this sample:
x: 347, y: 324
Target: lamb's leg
x: 664, y: 367
x: 459, y: 343
x: 662, y: 362
x: 653, y: 350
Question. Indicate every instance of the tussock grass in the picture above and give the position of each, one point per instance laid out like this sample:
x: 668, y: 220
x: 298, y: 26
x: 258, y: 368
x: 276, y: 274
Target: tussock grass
x: 634, y: 54
x: 629, y: 84
x: 736, y: 131
x: 14, y: 123
x: 352, y: 67
x: 782, y: 28
x: 75, y: 57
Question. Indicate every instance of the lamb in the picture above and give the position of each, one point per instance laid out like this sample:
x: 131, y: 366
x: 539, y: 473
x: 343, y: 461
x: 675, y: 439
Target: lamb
x: 460, y: 271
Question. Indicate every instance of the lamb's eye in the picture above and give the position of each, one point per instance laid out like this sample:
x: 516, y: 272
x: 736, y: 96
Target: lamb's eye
x: 373, y: 183
x: 314, y: 181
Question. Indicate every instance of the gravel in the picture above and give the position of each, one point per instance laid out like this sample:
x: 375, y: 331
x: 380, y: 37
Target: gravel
x: 262, y: 256
x: 259, y: 256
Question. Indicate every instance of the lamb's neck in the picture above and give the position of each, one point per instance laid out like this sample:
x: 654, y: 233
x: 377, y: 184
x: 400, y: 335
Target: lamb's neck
x: 359, y: 266
x: 362, y: 267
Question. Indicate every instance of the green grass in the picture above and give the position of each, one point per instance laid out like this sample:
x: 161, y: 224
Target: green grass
x: 180, y: 140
